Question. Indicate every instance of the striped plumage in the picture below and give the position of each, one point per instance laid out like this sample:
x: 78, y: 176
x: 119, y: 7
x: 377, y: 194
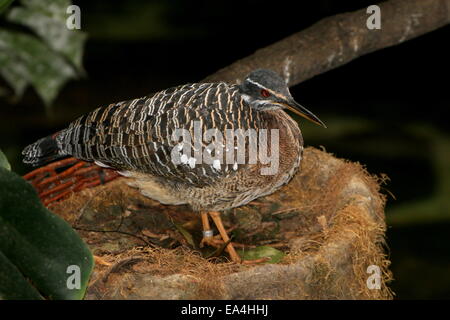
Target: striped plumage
x: 135, y: 137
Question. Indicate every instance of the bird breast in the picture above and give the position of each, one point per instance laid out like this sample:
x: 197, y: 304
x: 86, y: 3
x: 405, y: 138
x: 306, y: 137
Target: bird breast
x: 237, y: 189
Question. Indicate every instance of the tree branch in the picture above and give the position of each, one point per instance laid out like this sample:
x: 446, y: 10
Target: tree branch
x: 337, y: 40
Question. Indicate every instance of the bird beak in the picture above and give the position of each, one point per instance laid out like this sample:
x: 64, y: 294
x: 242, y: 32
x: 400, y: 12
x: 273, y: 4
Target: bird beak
x: 302, y: 111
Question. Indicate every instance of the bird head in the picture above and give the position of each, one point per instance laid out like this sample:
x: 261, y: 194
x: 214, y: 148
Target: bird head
x: 266, y: 90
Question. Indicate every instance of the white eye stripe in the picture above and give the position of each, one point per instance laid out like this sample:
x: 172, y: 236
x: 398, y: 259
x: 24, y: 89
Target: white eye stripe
x: 255, y: 83
x: 262, y: 102
x: 264, y: 88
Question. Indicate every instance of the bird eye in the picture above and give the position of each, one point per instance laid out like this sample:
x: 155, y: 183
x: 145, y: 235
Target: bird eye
x: 265, y: 93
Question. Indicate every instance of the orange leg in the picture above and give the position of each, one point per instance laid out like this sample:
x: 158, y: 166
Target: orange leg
x: 208, y: 234
x: 223, y: 233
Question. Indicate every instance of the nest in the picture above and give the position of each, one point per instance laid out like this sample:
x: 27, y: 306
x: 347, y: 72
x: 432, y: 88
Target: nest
x: 329, y: 220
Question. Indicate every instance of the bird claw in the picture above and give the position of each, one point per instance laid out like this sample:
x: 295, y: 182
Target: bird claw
x: 211, y: 241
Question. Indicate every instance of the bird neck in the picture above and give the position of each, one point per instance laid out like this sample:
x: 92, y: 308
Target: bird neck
x: 277, y: 118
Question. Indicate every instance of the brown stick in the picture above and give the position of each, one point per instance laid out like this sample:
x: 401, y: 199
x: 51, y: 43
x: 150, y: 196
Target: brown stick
x: 337, y: 40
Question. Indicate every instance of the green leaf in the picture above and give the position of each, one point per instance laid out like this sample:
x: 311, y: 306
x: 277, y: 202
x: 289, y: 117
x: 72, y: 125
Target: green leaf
x: 4, y: 4
x: 4, y: 161
x: 47, y: 18
x: 262, y: 252
x: 186, y: 234
x: 25, y: 57
x: 46, y: 59
x: 13, y: 72
x: 13, y: 284
x: 38, y: 244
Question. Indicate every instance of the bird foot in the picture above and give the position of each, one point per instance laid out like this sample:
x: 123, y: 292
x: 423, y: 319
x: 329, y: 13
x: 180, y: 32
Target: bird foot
x: 212, y: 242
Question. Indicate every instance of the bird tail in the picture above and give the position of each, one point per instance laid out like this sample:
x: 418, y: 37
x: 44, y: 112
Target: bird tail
x: 42, y: 151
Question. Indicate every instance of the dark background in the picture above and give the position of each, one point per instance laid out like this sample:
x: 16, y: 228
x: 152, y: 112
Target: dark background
x: 388, y: 110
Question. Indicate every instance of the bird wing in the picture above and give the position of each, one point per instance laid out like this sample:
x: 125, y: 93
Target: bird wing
x: 137, y: 134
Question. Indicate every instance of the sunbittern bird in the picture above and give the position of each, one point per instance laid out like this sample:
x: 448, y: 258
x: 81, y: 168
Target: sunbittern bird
x: 141, y: 139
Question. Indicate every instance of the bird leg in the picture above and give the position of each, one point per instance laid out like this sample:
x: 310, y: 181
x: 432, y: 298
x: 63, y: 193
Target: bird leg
x: 223, y: 233
x: 208, y: 234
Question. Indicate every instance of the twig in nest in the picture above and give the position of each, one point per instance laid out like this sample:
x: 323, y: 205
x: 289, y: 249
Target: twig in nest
x: 219, y: 250
x: 83, y: 209
x: 117, y: 231
x: 117, y: 266
x: 285, y: 211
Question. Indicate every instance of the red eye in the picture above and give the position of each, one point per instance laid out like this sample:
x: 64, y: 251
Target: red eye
x: 265, y: 93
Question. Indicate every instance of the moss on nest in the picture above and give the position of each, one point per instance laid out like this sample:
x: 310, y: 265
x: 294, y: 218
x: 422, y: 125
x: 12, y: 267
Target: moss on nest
x: 329, y: 220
